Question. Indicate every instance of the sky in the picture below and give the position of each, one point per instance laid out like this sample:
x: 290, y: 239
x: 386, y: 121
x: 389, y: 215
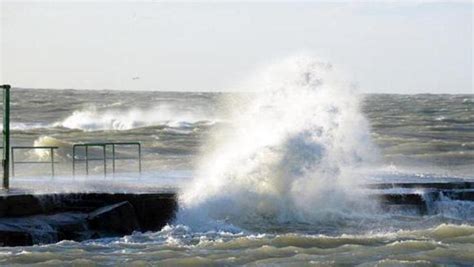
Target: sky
x: 383, y: 47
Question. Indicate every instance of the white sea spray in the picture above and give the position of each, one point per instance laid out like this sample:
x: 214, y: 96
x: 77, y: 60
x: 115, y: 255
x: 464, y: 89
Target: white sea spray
x: 289, y: 152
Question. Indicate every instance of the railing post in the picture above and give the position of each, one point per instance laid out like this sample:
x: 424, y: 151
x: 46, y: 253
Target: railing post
x: 105, y: 160
x: 6, y: 135
x: 13, y: 161
x: 52, y: 162
x: 87, y: 160
x: 113, y: 158
x: 74, y: 160
x: 139, y: 158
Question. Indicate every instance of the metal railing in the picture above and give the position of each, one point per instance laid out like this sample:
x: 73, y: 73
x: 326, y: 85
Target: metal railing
x: 6, y: 147
x: 51, y: 156
x: 104, y: 158
x: 6, y: 135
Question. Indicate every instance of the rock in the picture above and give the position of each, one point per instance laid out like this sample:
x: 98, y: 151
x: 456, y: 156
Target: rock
x: 3, y: 206
x: 41, y: 219
x: 22, y: 205
x: 12, y: 238
x: 154, y: 211
x: 117, y: 219
x: 68, y: 226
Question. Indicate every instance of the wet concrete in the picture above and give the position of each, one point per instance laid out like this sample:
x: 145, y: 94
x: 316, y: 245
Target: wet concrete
x: 27, y: 219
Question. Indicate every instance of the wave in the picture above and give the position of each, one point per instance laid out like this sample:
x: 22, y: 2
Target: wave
x: 22, y: 126
x: 65, y: 148
x: 444, y: 244
x: 93, y: 119
x: 288, y: 154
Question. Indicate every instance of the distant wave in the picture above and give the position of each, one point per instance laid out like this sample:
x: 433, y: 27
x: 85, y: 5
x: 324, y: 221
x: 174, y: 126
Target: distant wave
x: 99, y: 120
x: 21, y: 126
x: 62, y: 152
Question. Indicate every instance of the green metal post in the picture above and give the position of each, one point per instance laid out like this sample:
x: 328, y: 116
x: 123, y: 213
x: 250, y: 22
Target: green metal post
x: 139, y: 158
x: 105, y: 160
x: 87, y: 160
x: 73, y: 160
x: 52, y: 161
x: 12, y: 154
x: 113, y: 159
x: 6, y: 136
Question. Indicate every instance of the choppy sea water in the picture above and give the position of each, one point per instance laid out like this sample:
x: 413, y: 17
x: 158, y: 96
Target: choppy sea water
x: 431, y: 133
x: 273, y: 192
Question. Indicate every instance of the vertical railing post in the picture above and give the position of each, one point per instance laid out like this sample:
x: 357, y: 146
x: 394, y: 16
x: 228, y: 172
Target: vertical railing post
x: 74, y: 160
x: 52, y: 162
x: 13, y: 161
x: 6, y: 136
x: 139, y: 158
x: 87, y: 160
x: 105, y: 159
x: 113, y: 158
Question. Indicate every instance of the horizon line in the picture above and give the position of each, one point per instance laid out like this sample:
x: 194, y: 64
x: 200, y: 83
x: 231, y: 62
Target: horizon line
x: 226, y: 91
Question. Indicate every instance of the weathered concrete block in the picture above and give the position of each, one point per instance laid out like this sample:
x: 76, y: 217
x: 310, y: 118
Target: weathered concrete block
x: 3, y: 206
x: 81, y: 216
x: 154, y: 211
x: 72, y: 231
x: 12, y: 238
x: 22, y: 205
x: 68, y: 226
x: 115, y: 219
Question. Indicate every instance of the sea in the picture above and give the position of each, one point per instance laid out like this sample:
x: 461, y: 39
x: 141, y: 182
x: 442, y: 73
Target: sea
x: 268, y: 177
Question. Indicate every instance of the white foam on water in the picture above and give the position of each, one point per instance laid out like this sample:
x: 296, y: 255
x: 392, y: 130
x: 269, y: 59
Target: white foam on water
x: 93, y: 119
x: 21, y: 126
x: 289, y: 153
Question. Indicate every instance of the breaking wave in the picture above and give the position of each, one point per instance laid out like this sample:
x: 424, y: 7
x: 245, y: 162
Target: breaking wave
x: 93, y: 119
x: 45, y: 140
x: 288, y: 154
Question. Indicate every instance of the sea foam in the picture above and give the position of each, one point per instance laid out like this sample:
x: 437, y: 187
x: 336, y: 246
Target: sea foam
x: 93, y: 119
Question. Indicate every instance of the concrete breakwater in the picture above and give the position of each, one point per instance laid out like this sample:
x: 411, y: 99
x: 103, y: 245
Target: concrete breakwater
x: 27, y: 219
x: 420, y: 198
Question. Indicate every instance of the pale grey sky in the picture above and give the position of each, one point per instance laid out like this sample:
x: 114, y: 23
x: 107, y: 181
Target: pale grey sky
x: 408, y: 47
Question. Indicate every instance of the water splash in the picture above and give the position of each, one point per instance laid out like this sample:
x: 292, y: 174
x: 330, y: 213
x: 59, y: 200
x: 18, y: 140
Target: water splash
x: 44, y: 154
x: 289, y: 152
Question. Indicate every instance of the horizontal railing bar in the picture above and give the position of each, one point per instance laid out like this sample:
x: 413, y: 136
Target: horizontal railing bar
x: 89, y: 159
x: 100, y: 144
x: 123, y: 143
x: 35, y: 162
x: 108, y: 144
x: 34, y: 147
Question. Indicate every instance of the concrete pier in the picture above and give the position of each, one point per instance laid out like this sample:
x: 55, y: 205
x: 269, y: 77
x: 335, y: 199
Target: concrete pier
x: 419, y: 197
x: 27, y: 219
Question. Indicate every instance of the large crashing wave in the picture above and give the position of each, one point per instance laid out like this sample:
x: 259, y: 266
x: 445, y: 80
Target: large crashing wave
x: 289, y: 153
